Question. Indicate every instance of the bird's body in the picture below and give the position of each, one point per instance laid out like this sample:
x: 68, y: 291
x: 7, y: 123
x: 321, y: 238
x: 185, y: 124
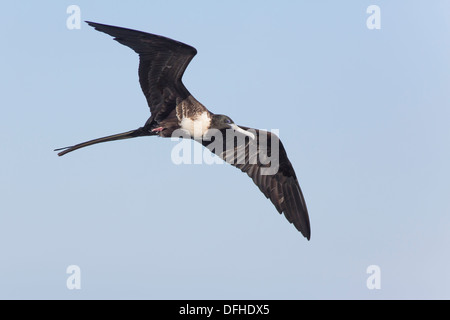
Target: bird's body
x: 193, y: 117
x: 161, y: 67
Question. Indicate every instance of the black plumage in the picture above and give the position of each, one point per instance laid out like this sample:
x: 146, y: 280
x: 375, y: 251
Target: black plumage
x: 162, y: 62
x: 281, y: 187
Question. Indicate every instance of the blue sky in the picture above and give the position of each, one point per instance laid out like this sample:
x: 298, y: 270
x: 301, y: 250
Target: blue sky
x: 362, y: 113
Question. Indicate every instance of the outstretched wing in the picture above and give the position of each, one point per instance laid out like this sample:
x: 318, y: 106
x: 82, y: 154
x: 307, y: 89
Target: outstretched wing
x: 264, y: 159
x: 161, y: 66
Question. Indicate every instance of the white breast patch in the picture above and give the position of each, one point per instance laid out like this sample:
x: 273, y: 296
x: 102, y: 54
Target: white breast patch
x: 198, y: 126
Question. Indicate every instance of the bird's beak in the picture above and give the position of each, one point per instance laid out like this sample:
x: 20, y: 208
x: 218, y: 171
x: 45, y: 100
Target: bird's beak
x: 238, y: 129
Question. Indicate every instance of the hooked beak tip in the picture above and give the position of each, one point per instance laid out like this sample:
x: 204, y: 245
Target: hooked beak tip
x: 244, y: 132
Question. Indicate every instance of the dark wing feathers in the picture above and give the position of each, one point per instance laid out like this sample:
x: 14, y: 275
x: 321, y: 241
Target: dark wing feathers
x: 162, y: 62
x: 282, y: 187
x: 161, y: 66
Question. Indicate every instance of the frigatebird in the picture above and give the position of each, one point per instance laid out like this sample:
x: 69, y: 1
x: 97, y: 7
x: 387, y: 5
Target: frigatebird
x: 162, y: 62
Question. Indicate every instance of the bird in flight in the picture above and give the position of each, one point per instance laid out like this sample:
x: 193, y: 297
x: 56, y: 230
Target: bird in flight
x: 162, y: 62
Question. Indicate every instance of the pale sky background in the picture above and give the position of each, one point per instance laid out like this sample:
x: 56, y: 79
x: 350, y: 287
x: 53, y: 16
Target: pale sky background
x: 364, y: 116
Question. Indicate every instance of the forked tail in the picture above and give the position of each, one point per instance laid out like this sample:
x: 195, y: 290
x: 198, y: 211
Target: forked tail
x: 120, y: 136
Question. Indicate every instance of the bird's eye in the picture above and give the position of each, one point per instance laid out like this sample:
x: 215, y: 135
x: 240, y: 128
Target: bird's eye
x: 227, y: 121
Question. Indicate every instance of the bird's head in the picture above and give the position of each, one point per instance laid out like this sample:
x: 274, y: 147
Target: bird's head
x: 220, y: 121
